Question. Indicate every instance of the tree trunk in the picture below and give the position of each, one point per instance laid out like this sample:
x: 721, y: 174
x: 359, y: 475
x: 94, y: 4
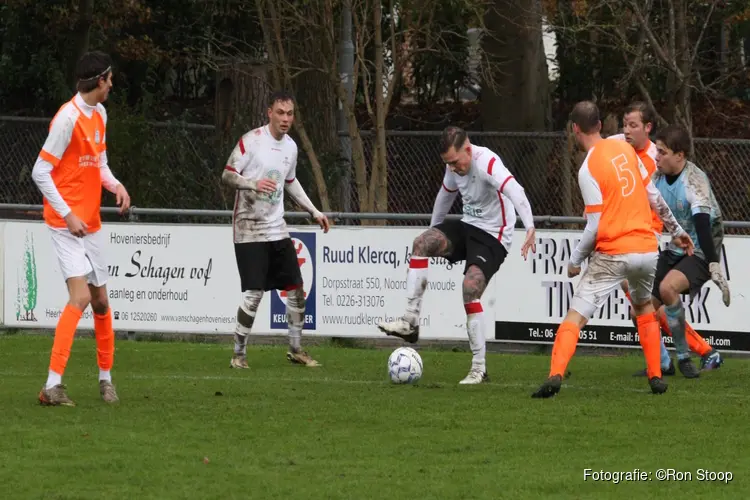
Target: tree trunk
x: 274, y: 40
x: 381, y: 174
x: 519, y: 100
x: 317, y: 169
x: 520, y: 97
x: 82, y: 35
x: 683, y: 108
x: 317, y: 98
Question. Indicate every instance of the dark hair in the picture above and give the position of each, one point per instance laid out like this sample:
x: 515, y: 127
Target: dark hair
x: 585, y: 114
x: 676, y: 138
x: 280, y: 95
x: 91, y: 67
x: 647, y: 112
x: 452, y: 137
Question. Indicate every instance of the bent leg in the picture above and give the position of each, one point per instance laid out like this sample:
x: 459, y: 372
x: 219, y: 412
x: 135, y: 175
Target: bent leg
x: 432, y: 243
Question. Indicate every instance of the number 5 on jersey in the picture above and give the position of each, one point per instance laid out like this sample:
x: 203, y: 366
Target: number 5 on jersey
x: 624, y: 174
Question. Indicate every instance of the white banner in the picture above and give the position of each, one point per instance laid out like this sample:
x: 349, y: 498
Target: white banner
x: 183, y: 279
x: 180, y: 278
x: 531, y: 309
x: 174, y: 278
x: 355, y: 277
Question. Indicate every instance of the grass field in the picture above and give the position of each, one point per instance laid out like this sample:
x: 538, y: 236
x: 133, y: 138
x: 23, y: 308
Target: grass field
x: 190, y: 427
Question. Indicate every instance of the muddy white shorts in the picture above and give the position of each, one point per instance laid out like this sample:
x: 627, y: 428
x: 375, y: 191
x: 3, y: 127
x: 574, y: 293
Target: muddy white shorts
x: 81, y: 257
x: 604, y: 275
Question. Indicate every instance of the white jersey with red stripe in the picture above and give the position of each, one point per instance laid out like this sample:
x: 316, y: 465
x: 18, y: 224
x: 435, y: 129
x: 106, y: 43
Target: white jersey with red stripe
x: 484, y: 206
x: 258, y: 155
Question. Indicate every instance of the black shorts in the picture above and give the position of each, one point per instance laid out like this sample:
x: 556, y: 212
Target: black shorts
x: 694, y: 268
x: 473, y: 245
x: 268, y: 265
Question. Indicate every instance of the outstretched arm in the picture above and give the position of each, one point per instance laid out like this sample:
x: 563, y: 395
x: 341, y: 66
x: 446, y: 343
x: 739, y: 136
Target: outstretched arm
x: 661, y: 208
x: 505, y: 184
x: 513, y: 190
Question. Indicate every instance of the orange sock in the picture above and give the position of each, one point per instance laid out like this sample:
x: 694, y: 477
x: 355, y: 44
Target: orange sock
x: 564, y: 348
x: 695, y: 342
x: 64, y: 334
x: 105, y: 340
x: 650, y: 337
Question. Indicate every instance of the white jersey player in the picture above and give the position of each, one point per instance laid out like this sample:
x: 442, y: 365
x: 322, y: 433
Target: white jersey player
x: 261, y: 167
x: 491, y: 197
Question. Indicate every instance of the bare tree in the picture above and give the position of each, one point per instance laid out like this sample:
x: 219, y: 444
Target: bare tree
x: 660, y: 41
x: 387, y: 36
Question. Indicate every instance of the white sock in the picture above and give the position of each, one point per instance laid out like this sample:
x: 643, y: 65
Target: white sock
x: 416, y: 283
x: 53, y: 379
x: 475, y: 329
x: 105, y: 375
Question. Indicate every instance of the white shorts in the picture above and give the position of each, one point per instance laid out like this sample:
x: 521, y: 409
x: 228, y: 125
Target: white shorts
x: 604, y: 275
x: 81, y: 257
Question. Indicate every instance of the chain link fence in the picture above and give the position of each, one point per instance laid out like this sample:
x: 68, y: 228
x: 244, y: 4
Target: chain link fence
x: 180, y: 165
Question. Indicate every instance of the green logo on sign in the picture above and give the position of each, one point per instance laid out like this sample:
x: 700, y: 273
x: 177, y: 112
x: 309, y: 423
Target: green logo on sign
x: 27, y: 283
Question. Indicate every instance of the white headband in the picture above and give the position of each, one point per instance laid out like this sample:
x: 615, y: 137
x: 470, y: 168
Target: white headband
x: 109, y: 68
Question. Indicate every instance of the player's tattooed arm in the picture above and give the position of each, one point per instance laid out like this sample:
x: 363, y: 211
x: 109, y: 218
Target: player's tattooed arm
x: 474, y: 284
x: 432, y: 243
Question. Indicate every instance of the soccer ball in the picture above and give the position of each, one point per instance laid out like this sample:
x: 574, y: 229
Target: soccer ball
x: 404, y: 366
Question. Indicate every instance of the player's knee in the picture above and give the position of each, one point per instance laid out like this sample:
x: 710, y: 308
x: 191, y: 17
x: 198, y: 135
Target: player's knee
x: 80, y: 295
x: 576, y: 318
x: 641, y: 309
x: 250, y: 301
x: 296, y: 298
x: 419, y: 246
x: 80, y: 299
x: 99, y: 300
x: 99, y: 304
x: 248, y: 307
x: 624, y: 286
x: 669, y: 293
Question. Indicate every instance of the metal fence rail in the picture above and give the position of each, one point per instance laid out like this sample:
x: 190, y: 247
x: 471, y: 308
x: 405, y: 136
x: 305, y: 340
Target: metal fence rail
x: 135, y: 213
x: 179, y: 165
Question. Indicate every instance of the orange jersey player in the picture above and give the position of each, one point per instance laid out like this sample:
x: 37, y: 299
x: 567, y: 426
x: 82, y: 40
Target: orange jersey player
x: 70, y: 172
x: 638, y: 122
x: 620, y: 241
